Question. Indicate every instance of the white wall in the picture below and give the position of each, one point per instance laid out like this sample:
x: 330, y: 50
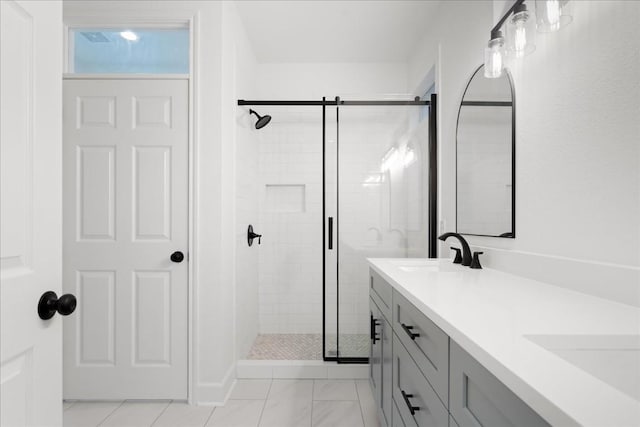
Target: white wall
x: 577, y: 143
x: 454, y: 46
x: 313, y: 81
x: 246, y: 183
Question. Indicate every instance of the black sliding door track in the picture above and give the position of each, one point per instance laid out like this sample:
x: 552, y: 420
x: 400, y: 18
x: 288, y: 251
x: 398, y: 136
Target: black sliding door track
x: 332, y: 103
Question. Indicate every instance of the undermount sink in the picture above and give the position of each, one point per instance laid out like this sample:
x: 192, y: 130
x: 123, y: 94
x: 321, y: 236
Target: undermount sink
x: 410, y: 265
x: 614, y: 359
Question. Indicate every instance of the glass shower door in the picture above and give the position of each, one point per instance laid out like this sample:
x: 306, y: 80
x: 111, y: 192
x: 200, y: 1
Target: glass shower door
x: 376, y: 178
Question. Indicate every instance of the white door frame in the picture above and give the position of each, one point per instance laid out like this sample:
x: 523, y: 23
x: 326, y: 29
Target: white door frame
x: 190, y: 21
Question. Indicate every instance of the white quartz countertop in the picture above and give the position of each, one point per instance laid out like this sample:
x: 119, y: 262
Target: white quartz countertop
x: 501, y: 319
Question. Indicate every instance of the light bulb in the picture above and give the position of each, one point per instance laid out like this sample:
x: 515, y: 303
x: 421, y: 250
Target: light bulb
x: 520, y: 33
x: 552, y: 15
x: 493, y: 56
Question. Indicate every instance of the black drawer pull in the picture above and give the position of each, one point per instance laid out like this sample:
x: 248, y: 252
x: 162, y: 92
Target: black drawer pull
x: 374, y: 334
x: 406, y: 398
x: 408, y: 329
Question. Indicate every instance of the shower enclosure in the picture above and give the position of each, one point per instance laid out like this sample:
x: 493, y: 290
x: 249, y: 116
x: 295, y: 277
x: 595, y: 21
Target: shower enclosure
x: 340, y: 181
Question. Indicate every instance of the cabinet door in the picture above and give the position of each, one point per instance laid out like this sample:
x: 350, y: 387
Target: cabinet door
x: 418, y: 404
x: 381, y: 292
x: 375, y: 353
x: 387, y: 370
x: 480, y: 399
x: 427, y: 344
x: 396, y: 418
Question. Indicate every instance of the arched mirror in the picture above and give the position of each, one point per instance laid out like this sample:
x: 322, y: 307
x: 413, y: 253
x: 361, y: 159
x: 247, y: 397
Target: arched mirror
x: 485, y: 153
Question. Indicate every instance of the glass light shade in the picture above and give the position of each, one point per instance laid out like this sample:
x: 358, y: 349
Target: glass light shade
x: 552, y: 15
x: 521, y: 33
x: 494, y: 58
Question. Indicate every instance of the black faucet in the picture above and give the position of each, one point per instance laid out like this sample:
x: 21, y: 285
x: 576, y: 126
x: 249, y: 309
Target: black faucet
x: 466, y: 250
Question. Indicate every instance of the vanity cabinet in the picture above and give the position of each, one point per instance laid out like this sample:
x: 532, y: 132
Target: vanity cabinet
x: 381, y: 292
x: 396, y: 419
x: 380, y: 358
x: 479, y: 399
x: 418, y: 404
x: 427, y: 344
x: 422, y: 378
x: 375, y: 352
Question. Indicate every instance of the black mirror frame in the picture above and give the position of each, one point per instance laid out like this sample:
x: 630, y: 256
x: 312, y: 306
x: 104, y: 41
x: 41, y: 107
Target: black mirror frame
x: 512, y: 234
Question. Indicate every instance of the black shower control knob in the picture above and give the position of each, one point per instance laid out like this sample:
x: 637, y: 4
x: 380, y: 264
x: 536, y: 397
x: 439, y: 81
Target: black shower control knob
x: 177, y: 256
x: 50, y: 303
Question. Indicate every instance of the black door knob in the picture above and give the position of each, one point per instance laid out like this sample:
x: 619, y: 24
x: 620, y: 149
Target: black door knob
x: 50, y: 303
x: 177, y: 256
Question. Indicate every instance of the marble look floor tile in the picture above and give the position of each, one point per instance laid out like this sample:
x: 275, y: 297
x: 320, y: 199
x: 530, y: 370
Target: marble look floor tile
x: 334, y: 390
x: 367, y: 404
x: 180, y: 414
x: 251, y: 389
x: 88, y: 414
x: 299, y: 372
x: 237, y: 413
x: 291, y: 389
x: 135, y: 414
x: 286, y: 413
x: 337, y: 414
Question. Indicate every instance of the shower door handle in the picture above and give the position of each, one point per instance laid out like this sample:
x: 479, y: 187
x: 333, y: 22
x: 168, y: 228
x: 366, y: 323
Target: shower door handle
x: 330, y: 233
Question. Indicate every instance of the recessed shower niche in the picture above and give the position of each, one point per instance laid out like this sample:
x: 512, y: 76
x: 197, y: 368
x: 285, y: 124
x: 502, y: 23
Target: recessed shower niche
x: 285, y: 197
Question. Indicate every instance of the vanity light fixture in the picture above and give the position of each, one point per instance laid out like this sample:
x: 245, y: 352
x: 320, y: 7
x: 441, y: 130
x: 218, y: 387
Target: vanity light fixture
x: 552, y: 15
x: 521, y: 28
x: 494, y: 56
x: 521, y: 32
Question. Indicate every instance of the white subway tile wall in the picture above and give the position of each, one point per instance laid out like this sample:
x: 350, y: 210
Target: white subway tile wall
x: 290, y: 182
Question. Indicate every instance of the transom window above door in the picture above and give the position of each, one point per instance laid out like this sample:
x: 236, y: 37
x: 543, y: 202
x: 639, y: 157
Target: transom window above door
x: 129, y: 50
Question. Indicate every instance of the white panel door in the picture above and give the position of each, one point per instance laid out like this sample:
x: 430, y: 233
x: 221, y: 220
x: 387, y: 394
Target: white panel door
x: 30, y: 211
x: 125, y: 214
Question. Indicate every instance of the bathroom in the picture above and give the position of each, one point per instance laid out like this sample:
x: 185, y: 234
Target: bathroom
x: 343, y: 133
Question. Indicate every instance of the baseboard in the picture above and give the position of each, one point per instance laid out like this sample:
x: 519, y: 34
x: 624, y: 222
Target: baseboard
x: 215, y: 394
x: 299, y: 369
x: 614, y: 282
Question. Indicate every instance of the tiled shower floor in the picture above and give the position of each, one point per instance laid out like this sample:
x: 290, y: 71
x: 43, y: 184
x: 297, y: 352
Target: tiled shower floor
x: 306, y: 346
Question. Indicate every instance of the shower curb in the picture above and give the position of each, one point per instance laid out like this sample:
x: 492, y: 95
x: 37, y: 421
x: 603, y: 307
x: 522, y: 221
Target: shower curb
x: 299, y: 369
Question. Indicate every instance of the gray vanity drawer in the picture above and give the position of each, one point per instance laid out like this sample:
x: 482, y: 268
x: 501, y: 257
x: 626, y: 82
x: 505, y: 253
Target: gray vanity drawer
x: 480, y: 399
x: 397, y: 419
x: 409, y: 383
x: 430, y: 349
x: 381, y: 292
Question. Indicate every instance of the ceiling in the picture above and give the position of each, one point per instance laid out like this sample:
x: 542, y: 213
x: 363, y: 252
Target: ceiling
x: 335, y: 30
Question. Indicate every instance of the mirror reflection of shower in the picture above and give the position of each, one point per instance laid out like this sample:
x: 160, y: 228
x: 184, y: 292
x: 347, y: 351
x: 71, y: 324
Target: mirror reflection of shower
x: 262, y: 120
